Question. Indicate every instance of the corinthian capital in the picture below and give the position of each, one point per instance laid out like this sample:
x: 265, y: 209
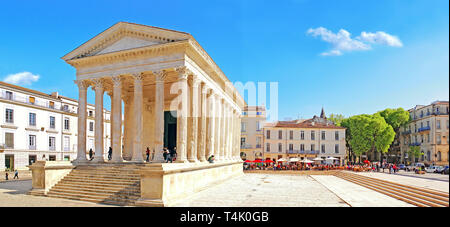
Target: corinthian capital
x: 160, y: 75
x: 82, y: 84
x: 138, y: 76
x: 98, y: 82
x: 117, y: 81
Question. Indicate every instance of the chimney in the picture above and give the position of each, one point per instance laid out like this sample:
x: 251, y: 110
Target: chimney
x: 55, y: 94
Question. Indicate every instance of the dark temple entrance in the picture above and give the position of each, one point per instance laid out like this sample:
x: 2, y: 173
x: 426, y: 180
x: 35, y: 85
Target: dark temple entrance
x: 170, y: 129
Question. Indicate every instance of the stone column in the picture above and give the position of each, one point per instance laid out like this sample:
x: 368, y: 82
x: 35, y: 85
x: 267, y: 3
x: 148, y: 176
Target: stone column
x: 233, y: 142
x: 211, y: 125
x: 227, y: 132
x: 238, y: 136
x: 222, y: 130
x: 203, y: 125
x: 138, y: 118
x: 182, y: 115
x: 159, y: 116
x: 82, y: 112
x: 99, y: 91
x: 111, y: 124
x: 116, y: 120
x: 128, y: 129
x: 218, y: 127
x: 193, y: 129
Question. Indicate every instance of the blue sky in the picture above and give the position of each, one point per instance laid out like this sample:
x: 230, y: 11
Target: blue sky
x: 256, y: 40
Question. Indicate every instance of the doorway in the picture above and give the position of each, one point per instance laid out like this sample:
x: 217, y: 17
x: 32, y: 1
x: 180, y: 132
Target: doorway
x: 170, y: 129
x: 9, y: 161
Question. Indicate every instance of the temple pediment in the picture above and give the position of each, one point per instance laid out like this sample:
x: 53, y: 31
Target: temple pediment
x: 125, y: 36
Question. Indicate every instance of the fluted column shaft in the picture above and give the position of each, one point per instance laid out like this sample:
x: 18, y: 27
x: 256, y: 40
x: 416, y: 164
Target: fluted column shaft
x: 116, y: 120
x: 99, y: 149
x: 202, y: 125
x: 159, y: 116
x: 223, y: 128
x: 182, y: 115
x: 211, y: 125
x: 218, y: 129
x: 82, y: 112
x: 227, y: 132
x: 138, y: 119
x: 193, y: 131
x: 128, y: 132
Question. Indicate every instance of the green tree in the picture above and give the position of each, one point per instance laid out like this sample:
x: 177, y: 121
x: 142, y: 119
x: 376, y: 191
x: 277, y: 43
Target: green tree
x: 414, y: 151
x: 336, y: 118
x: 395, y: 117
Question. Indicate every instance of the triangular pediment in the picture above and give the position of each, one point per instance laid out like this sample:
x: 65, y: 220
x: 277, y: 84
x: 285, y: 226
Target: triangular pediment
x: 125, y: 36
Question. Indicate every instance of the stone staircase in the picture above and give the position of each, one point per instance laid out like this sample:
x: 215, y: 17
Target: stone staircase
x: 109, y: 184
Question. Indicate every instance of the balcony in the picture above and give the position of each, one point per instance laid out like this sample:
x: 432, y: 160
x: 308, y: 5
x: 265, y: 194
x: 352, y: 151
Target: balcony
x: 246, y: 146
x: 406, y: 132
x: 424, y: 129
x: 301, y: 152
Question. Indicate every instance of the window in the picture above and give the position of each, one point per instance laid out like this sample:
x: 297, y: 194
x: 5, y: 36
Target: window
x: 258, y: 142
x: 52, y: 122
x: 280, y: 134
x: 52, y: 157
x: 313, y: 135
x: 323, y: 148
x: 438, y: 124
x: 291, y: 135
x: 66, y: 143
x: 258, y: 126
x: 428, y: 123
x: 31, y: 159
x: 302, y: 135
x: 66, y: 157
x: 438, y: 139
x: 313, y: 147
x: 66, y: 107
x: 66, y: 124
x: 268, y: 147
x: 9, y: 140
x: 428, y: 138
x: 242, y: 141
x: 336, y: 135
x: 32, y: 119
x: 243, y: 128
x: 421, y: 138
x: 268, y: 134
x: 51, y: 143
x: 280, y: 147
x: 32, y: 142
x: 428, y: 156
x: 9, y: 95
x: 291, y: 147
x: 91, y: 126
x: 323, y: 135
x: 421, y: 124
x: 9, y: 116
x: 336, y: 148
x: 439, y: 158
x: 51, y: 104
x: 90, y: 113
x: 302, y: 147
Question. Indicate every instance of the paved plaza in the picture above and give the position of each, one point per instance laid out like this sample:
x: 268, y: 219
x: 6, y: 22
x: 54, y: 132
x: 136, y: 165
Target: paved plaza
x: 257, y: 190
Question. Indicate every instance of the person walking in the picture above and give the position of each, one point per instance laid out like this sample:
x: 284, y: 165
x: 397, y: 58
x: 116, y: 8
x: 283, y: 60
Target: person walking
x: 109, y: 153
x: 147, y: 152
x: 6, y: 175
x: 166, y: 155
x: 91, y: 154
x: 16, y: 174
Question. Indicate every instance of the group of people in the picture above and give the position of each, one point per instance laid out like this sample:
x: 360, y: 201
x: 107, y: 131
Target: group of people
x: 16, y: 175
x: 374, y: 167
x: 289, y: 166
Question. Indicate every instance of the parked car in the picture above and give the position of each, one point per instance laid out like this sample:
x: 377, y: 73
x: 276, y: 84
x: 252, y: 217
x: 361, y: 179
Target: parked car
x: 445, y: 171
x: 402, y: 167
x: 431, y: 169
x: 439, y: 169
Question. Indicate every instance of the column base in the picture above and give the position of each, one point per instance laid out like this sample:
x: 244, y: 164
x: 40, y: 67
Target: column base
x: 79, y: 162
x: 181, y: 161
x: 98, y: 159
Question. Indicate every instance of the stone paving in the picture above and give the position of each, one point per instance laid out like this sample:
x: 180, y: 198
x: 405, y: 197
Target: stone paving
x: 266, y: 190
x: 437, y: 183
x: 13, y: 194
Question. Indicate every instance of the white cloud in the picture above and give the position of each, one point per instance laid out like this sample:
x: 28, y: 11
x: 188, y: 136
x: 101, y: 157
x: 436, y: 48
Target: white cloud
x: 342, y: 41
x: 380, y: 38
x: 23, y: 78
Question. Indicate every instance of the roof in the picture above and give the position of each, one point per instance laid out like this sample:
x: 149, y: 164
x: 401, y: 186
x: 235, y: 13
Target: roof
x: 27, y: 90
x: 309, y: 123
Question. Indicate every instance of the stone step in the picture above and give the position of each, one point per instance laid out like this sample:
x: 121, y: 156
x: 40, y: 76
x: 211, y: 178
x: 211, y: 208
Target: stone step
x: 112, y: 201
x: 97, y: 185
x: 106, y: 176
x: 103, y: 180
x: 124, y: 190
x: 95, y: 195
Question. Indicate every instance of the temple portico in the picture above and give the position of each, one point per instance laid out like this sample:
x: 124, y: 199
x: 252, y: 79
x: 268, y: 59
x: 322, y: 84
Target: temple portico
x: 172, y: 96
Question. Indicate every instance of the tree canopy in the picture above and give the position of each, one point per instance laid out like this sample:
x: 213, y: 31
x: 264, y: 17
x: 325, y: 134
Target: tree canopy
x: 336, y: 118
x: 395, y: 117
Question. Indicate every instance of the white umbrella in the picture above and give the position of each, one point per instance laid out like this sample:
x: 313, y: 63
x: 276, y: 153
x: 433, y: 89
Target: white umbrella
x: 306, y: 160
x: 282, y: 160
x: 331, y: 158
x: 294, y: 160
x: 318, y: 159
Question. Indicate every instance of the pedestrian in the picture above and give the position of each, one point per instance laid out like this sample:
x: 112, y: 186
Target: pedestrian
x: 16, y: 174
x: 91, y: 154
x: 147, y: 152
x: 211, y: 159
x: 173, y: 154
x: 44, y: 158
x: 109, y: 153
x: 6, y: 175
x: 166, y: 155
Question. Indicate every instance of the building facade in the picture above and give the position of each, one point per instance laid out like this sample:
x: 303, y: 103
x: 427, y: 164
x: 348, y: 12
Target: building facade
x: 429, y: 130
x: 252, y: 136
x: 36, y: 126
x: 315, y: 137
